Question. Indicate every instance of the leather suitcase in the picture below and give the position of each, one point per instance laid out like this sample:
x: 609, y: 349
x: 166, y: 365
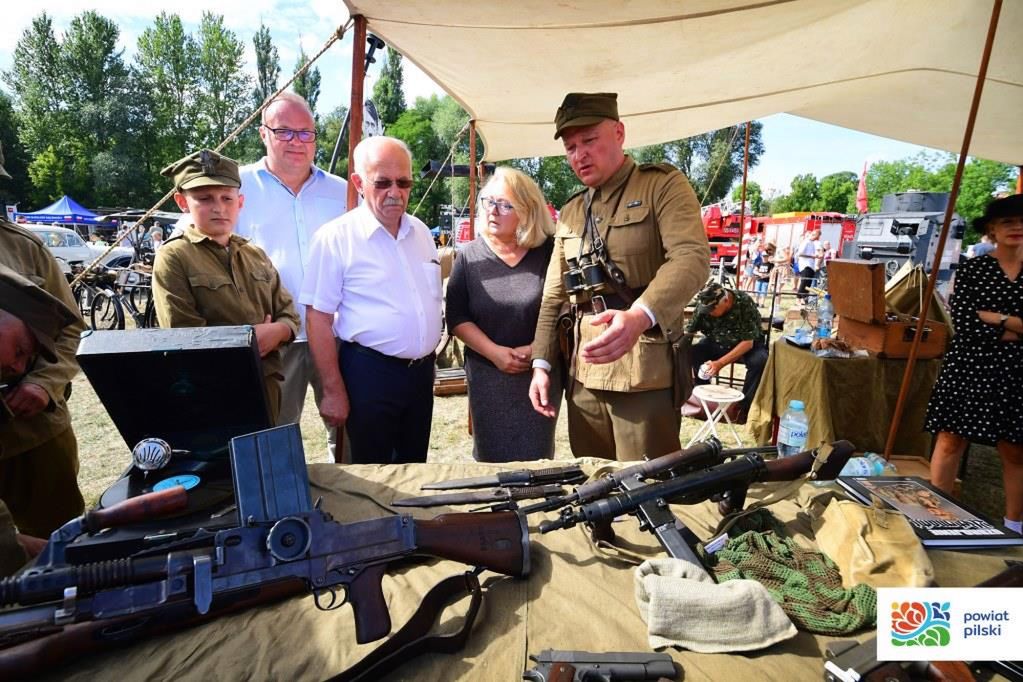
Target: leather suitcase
x: 894, y: 338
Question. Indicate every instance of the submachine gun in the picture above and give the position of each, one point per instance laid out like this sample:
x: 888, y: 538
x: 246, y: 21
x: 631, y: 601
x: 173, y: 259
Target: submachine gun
x: 702, y: 472
x: 283, y: 544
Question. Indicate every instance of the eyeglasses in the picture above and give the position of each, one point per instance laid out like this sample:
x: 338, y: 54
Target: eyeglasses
x: 287, y: 134
x: 402, y: 183
x: 502, y: 206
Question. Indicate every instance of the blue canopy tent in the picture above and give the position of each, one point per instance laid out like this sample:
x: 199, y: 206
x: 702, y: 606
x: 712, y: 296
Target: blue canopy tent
x: 65, y: 211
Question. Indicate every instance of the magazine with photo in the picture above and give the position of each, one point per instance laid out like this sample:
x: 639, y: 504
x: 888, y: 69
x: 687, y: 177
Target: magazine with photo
x: 938, y: 520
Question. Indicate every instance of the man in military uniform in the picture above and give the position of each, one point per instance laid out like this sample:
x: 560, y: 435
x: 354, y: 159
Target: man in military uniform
x: 640, y: 224
x: 38, y: 449
x: 31, y: 322
x: 730, y: 322
x: 208, y: 276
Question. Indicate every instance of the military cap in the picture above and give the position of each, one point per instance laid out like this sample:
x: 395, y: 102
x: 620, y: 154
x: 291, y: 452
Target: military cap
x: 3, y: 172
x: 711, y: 296
x: 44, y: 314
x: 585, y: 109
x: 203, y: 168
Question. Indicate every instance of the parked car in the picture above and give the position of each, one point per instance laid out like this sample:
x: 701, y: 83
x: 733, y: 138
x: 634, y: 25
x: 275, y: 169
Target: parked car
x: 69, y: 247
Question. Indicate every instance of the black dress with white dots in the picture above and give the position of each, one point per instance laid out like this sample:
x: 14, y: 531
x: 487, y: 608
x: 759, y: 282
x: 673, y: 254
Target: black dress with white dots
x: 979, y: 393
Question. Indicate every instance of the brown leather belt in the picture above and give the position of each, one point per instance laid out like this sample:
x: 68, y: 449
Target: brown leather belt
x: 609, y: 301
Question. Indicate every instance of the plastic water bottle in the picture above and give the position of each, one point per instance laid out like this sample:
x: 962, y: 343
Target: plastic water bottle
x: 871, y: 464
x: 825, y: 317
x: 792, y: 429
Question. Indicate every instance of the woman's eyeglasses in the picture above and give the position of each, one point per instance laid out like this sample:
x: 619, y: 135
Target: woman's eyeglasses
x: 287, y: 134
x: 502, y: 206
x: 402, y: 183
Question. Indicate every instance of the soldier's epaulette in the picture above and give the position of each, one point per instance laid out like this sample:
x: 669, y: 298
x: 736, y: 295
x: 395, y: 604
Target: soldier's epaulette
x: 662, y: 167
x: 577, y: 194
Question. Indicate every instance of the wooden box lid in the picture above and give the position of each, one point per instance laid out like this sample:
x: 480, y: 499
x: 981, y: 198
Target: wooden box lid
x: 857, y: 289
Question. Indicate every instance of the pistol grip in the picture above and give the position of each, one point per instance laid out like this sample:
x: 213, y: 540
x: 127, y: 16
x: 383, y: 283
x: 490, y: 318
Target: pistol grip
x: 372, y: 620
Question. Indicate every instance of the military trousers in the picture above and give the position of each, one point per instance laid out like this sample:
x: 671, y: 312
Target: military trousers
x: 40, y: 486
x: 622, y: 426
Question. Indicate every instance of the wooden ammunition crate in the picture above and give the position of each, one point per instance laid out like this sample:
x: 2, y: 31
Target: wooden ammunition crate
x: 894, y: 338
x: 857, y: 292
x: 450, y: 382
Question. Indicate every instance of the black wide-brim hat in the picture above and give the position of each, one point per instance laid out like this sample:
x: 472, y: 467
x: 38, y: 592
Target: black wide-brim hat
x: 1006, y: 207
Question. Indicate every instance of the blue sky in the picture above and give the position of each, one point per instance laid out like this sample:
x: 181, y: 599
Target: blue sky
x: 793, y: 145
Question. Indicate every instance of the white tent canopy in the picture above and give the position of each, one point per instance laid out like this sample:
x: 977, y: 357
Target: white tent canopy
x: 903, y: 69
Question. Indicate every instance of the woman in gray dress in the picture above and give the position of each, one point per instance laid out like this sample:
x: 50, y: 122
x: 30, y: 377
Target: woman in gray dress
x: 493, y: 300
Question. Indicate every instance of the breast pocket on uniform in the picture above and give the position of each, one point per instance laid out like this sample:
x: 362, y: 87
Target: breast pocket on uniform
x: 431, y: 270
x: 570, y: 243
x: 208, y: 282
x: 630, y: 231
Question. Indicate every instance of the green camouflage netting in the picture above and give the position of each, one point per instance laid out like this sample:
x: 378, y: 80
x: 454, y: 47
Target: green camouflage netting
x: 806, y: 583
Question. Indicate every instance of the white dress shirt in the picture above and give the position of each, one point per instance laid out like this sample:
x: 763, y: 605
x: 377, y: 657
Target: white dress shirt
x: 385, y: 291
x: 283, y: 224
x: 807, y: 254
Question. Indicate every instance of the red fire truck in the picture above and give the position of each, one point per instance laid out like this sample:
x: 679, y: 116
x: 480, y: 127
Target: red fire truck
x: 722, y: 233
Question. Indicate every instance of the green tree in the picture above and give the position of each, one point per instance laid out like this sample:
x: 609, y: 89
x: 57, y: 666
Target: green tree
x: 754, y: 197
x: 168, y: 71
x: 327, y: 128
x: 308, y: 84
x: 415, y: 127
x: 837, y: 192
x: 35, y: 79
x: 222, y: 100
x: 804, y: 195
x: 15, y: 161
x: 388, y: 95
x: 448, y: 120
x: 268, y: 65
x: 712, y: 161
x: 553, y: 175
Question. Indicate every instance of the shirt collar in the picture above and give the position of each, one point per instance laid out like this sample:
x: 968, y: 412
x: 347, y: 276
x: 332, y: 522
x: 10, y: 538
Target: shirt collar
x: 315, y: 174
x: 369, y: 223
x: 616, y: 180
x: 193, y: 235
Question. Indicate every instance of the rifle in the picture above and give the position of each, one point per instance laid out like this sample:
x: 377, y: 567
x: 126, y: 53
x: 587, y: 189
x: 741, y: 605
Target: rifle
x: 581, y: 666
x: 680, y: 462
x: 729, y: 480
x: 284, y: 541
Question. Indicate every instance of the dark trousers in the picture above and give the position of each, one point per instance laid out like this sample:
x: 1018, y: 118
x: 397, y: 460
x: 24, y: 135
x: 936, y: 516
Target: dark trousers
x: 754, y: 359
x: 391, y: 405
x: 806, y: 277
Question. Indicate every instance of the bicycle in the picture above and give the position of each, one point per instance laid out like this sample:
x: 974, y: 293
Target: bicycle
x: 88, y: 288
x: 109, y: 305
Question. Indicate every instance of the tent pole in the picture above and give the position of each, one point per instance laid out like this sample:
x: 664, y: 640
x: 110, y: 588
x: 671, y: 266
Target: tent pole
x: 472, y: 179
x: 1019, y: 181
x: 742, y: 207
x: 949, y: 210
x: 355, y: 107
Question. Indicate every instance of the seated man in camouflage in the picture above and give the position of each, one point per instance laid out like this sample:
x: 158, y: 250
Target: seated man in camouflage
x: 730, y: 322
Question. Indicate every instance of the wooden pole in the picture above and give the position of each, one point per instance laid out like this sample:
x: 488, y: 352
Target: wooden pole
x: 949, y: 210
x: 1019, y: 181
x: 355, y: 106
x: 472, y: 179
x: 742, y: 206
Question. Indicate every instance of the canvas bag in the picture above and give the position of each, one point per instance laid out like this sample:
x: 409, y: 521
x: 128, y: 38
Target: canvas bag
x: 873, y: 546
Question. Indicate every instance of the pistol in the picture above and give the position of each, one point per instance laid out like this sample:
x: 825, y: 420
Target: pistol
x: 585, y: 666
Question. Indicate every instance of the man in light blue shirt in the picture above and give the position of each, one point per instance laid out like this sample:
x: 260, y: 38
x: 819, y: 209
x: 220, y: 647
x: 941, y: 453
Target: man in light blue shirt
x: 287, y: 199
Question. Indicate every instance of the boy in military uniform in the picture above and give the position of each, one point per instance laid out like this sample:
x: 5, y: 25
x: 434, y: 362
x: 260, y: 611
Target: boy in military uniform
x: 209, y: 276
x: 643, y: 223
x: 730, y: 322
x: 38, y: 448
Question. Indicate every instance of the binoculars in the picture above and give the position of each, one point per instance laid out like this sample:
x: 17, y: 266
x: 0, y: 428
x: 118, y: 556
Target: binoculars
x: 585, y: 273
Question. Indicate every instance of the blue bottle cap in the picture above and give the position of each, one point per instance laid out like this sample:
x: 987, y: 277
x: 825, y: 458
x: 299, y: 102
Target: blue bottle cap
x: 796, y: 404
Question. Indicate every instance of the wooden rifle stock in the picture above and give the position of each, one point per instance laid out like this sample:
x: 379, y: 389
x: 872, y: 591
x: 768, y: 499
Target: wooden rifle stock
x: 498, y: 541
x: 137, y: 509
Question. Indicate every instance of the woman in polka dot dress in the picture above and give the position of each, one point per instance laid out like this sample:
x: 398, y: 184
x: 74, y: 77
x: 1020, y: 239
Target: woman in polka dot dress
x: 979, y: 394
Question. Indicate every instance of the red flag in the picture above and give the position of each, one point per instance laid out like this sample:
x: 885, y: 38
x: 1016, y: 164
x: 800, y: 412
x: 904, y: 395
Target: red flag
x: 861, y: 191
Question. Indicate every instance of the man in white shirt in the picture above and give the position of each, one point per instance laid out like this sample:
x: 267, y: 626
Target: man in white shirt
x: 376, y: 267
x: 806, y: 256
x: 287, y: 199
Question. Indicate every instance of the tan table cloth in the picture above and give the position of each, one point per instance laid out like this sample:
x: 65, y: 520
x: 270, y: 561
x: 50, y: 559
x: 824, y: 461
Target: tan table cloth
x: 574, y: 599
x: 851, y: 398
